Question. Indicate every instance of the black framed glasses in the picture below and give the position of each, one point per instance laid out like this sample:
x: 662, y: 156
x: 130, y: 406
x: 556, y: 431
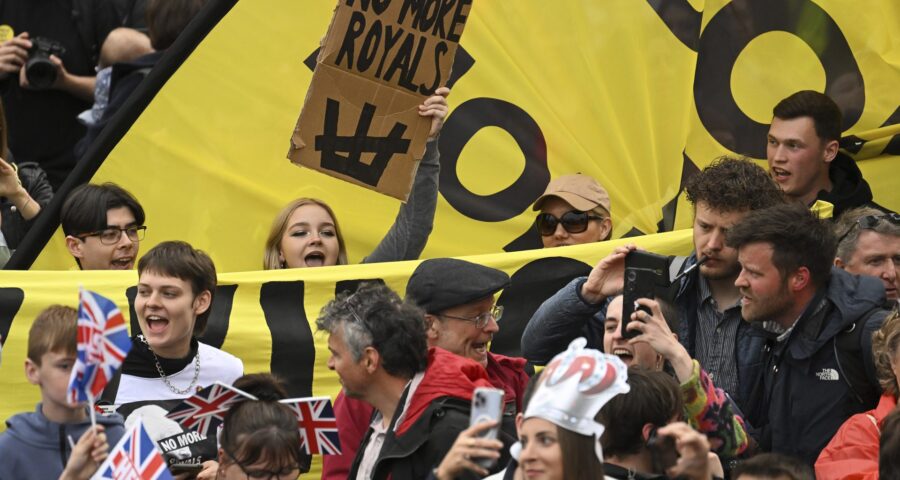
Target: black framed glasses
x: 572, y: 221
x: 261, y: 474
x: 869, y: 222
x: 480, y: 320
x: 111, y: 235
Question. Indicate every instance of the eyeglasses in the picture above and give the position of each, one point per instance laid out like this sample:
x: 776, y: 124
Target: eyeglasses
x: 480, y: 320
x: 111, y: 235
x: 260, y: 474
x: 572, y: 221
x: 869, y: 222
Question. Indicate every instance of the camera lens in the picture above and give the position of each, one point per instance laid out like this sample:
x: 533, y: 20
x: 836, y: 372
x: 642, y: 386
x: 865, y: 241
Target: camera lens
x: 41, y: 73
x: 631, y: 275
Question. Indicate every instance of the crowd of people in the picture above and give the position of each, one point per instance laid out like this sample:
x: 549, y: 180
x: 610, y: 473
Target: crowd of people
x: 774, y: 353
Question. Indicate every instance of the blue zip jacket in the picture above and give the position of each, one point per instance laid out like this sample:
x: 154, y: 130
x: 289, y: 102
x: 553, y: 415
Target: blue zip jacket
x: 33, y: 447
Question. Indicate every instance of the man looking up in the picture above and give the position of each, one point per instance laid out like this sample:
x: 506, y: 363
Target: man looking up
x: 104, y: 225
x: 811, y: 382
x: 710, y: 324
x: 869, y: 244
x: 803, y: 154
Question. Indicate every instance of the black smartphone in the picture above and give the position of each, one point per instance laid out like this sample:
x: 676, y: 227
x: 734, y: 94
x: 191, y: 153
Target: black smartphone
x: 639, y: 283
x: 659, y: 264
x: 190, y: 468
x: 663, y: 454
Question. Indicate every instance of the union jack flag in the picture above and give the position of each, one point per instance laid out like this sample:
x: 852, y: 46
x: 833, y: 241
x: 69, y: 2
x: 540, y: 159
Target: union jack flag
x: 103, y: 343
x: 135, y: 457
x: 206, y: 409
x: 318, y: 427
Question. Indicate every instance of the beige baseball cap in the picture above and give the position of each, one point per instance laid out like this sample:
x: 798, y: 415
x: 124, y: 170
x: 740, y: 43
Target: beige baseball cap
x: 580, y: 191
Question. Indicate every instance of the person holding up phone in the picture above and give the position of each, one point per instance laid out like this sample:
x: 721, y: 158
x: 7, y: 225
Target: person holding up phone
x: 559, y: 435
x: 707, y: 300
x: 706, y: 408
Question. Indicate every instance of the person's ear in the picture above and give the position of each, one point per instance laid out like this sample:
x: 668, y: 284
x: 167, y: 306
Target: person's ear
x: 519, y: 417
x: 75, y: 246
x: 839, y: 263
x: 371, y: 359
x: 32, y: 372
x: 800, y: 279
x: 831, y: 150
x: 432, y: 332
x: 607, y: 227
x: 646, y: 431
x: 202, y: 302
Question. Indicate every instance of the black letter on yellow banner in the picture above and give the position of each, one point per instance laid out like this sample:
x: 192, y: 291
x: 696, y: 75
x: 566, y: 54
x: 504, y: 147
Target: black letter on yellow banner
x: 293, y: 350
x: 735, y: 26
x: 10, y: 302
x: 470, y: 117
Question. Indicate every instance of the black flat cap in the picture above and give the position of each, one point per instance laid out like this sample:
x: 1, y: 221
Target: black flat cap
x: 442, y: 283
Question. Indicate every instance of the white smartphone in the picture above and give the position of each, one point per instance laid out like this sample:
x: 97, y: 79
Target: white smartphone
x: 487, y: 405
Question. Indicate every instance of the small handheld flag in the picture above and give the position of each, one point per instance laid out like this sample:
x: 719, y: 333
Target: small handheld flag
x: 135, y: 457
x: 317, y: 424
x: 205, y: 410
x: 103, y: 343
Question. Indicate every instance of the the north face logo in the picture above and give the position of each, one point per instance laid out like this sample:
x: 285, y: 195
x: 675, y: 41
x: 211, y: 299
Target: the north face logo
x: 828, y: 374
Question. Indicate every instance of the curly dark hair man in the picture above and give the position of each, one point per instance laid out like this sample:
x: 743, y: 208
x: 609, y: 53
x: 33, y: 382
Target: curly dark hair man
x: 732, y: 185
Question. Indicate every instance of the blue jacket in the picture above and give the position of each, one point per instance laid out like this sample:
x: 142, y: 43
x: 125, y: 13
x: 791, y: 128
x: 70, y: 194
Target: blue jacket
x: 34, y: 447
x: 803, y: 395
x: 749, y: 344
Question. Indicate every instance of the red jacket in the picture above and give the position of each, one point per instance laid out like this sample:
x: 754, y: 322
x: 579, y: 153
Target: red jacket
x: 353, y: 415
x: 853, y: 451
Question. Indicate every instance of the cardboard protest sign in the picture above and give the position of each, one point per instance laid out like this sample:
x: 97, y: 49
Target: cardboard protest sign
x: 379, y: 60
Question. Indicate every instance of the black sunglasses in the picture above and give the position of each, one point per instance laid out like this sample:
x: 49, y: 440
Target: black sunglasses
x: 869, y: 222
x: 572, y: 221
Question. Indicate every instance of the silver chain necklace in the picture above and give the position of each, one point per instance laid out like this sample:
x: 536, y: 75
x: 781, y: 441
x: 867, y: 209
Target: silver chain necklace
x: 165, y: 377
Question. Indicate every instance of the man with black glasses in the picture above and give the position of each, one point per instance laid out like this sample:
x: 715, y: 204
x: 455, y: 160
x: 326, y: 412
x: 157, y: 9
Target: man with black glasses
x: 708, y: 303
x: 869, y: 244
x: 104, y: 225
x: 574, y: 210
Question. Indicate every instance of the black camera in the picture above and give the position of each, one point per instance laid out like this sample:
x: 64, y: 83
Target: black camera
x: 39, y: 70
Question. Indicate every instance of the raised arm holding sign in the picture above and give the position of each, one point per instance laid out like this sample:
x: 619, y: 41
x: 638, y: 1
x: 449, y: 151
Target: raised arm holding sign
x: 378, y: 61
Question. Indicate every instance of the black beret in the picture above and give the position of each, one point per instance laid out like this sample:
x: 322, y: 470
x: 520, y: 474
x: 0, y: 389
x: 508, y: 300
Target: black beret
x: 442, y: 283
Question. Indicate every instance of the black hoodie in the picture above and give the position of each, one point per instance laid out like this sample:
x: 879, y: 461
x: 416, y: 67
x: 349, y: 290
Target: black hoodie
x: 848, y: 187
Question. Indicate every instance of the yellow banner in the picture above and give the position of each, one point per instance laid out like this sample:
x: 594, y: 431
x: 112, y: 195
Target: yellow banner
x: 637, y: 94
x: 267, y: 318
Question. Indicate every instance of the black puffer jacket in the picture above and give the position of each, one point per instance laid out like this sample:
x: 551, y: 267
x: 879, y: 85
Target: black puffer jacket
x: 803, y: 395
x: 848, y: 187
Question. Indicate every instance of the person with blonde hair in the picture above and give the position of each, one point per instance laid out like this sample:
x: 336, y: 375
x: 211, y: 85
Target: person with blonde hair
x: 306, y: 233
x: 854, y: 448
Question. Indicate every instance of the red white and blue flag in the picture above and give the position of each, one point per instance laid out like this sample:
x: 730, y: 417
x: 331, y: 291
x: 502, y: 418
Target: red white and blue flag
x: 103, y: 343
x: 318, y: 427
x: 135, y: 457
x: 205, y: 410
